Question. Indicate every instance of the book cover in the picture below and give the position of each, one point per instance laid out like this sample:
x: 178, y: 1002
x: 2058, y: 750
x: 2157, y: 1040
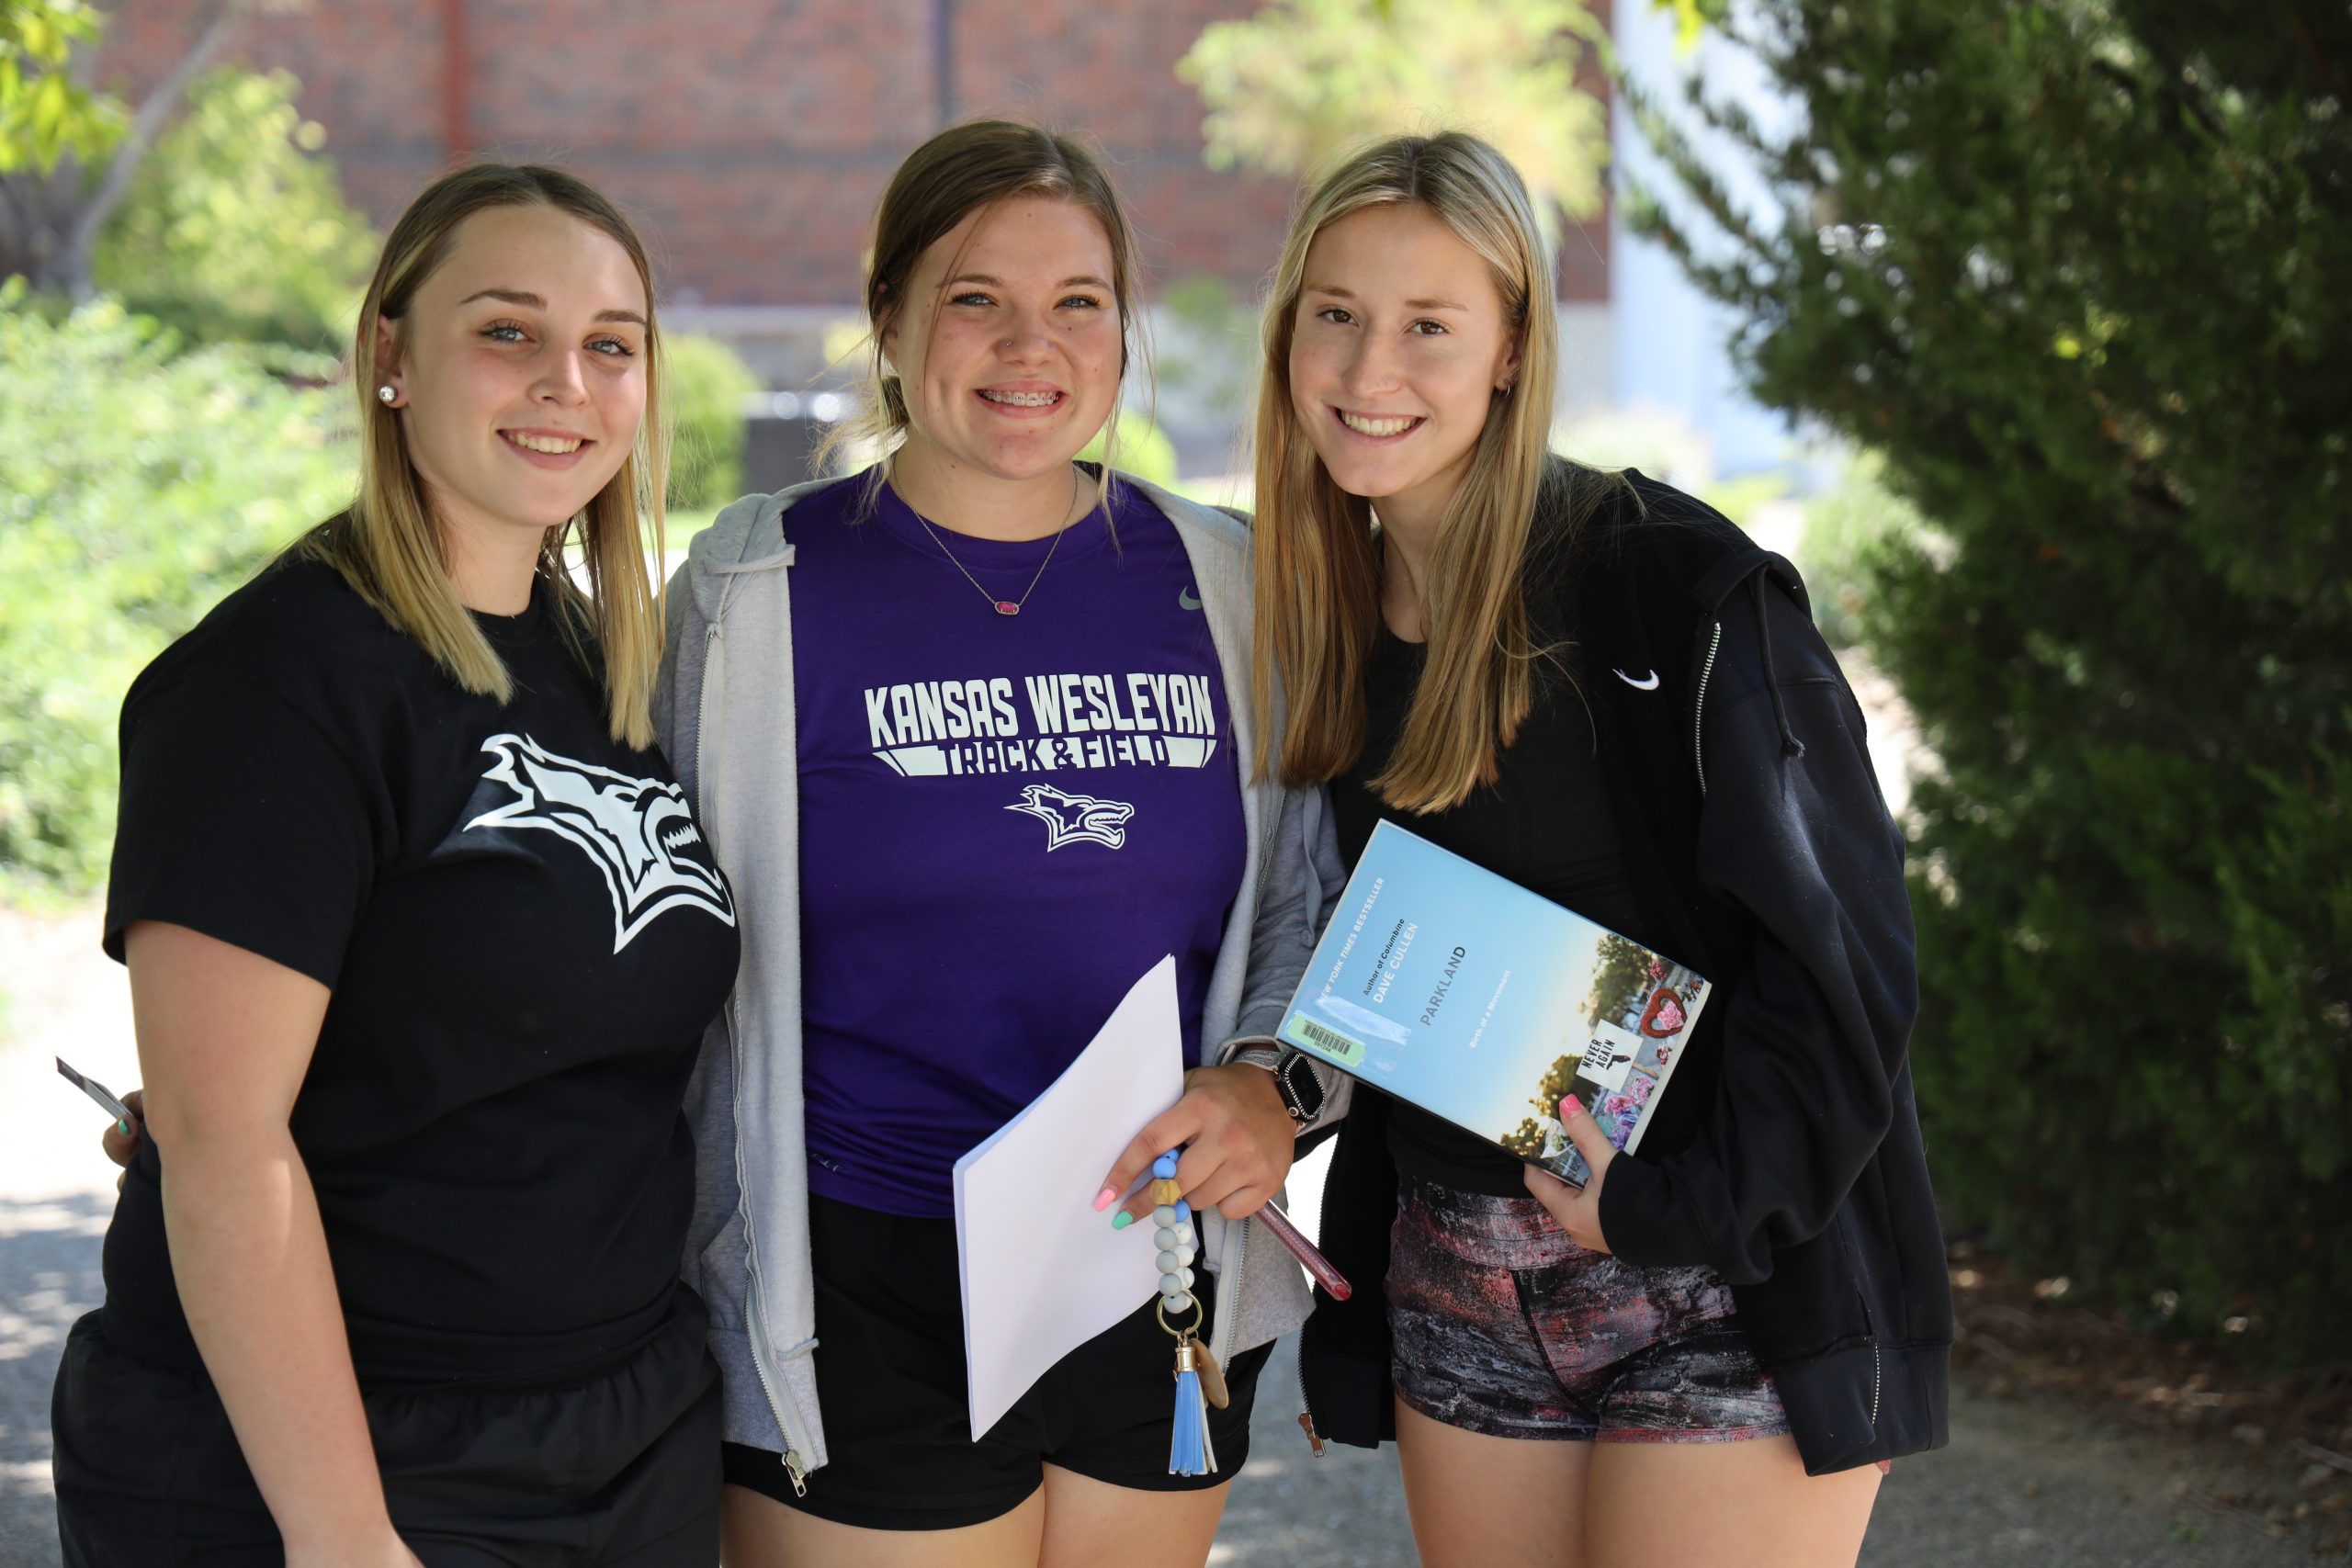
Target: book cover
x: 1440, y: 983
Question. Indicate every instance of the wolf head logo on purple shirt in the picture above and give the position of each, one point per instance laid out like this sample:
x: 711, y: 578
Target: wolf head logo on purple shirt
x: 1075, y: 818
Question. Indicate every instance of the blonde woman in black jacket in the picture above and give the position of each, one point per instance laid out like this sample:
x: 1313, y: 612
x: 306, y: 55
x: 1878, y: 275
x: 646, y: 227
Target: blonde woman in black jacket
x: 1594, y: 686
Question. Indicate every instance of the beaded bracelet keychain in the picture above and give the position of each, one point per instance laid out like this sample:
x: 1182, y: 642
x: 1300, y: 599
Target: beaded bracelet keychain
x: 1200, y: 1381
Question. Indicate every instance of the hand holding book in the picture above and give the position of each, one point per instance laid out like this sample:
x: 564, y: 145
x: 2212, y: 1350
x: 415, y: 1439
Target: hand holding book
x: 1440, y: 983
x: 1576, y: 1208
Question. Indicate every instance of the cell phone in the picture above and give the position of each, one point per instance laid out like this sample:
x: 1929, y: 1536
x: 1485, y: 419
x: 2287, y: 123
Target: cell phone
x: 101, y: 1093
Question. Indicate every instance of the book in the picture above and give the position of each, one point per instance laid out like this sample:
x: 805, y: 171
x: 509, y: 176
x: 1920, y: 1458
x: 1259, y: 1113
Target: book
x: 1442, y: 983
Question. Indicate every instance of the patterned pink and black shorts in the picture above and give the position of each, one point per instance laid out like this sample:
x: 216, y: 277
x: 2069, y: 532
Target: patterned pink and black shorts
x: 1503, y: 1325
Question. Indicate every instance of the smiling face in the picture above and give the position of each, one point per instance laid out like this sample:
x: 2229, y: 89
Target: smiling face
x: 1008, y: 345
x: 1398, y: 344
x: 520, y: 369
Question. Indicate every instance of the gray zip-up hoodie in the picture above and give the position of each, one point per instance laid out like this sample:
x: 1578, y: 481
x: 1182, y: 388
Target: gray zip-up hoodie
x: 724, y: 711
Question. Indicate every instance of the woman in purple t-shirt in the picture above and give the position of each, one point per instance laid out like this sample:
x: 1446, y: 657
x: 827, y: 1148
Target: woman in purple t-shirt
x: 968, y: 730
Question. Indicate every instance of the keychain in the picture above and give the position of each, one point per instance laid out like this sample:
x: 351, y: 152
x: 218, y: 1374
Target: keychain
x: 1200, y: 1381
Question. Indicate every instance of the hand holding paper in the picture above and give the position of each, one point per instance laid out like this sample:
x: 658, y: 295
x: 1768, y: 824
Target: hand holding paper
x: 1042, y: 1274
x: 1237, y: 1139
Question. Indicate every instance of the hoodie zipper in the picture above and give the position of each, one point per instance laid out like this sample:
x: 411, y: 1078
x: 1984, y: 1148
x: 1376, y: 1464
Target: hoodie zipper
x: 702, y: 708
x: 1229, y: 1292
x: 1306, y: 1406
x: 795, y: 1466
x: 1699, y: 706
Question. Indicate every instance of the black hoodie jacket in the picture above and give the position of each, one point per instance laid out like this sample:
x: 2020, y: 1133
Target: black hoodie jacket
x: 1786, y: 1155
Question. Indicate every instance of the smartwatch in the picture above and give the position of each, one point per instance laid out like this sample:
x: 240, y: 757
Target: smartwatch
x: 1295, y: 1079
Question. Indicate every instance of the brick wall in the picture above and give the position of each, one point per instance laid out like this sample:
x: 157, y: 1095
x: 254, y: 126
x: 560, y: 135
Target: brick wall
x: 751, y: 141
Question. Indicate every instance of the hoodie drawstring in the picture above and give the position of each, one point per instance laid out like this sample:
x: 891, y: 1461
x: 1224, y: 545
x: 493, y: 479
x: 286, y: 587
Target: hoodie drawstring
x: 1789, y: 745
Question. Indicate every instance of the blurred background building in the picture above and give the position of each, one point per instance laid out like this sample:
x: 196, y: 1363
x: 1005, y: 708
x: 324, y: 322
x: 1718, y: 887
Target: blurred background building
x: 752, y: 142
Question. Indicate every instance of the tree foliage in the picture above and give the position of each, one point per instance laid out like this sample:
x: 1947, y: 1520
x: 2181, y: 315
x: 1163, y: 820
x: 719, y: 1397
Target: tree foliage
x: 137, y: 483
x: 235, y: 227
x: 45, y: 113
x: 1621, y: 980
x: 53, y: 208
x: 2076, y: 271
x: 705, y: 383
x: 1304, y: 81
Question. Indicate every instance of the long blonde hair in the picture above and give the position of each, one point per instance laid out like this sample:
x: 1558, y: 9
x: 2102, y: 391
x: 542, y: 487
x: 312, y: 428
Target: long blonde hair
x: 387, y: 545
x: 1318, y: 556
x: 954, y: 173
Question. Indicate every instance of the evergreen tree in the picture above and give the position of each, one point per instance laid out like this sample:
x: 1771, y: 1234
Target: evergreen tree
x: 2078, y: 271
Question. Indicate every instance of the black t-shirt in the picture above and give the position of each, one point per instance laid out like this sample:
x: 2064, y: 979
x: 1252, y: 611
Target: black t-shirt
x: 1545, y: 823
x: 525, y: 935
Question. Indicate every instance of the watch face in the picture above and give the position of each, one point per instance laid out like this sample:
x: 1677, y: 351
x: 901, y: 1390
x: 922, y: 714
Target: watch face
x: 1302, y: 1091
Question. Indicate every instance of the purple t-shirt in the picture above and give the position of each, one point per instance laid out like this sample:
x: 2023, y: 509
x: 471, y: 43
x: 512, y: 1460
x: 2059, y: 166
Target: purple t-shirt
x: 1004, y: 822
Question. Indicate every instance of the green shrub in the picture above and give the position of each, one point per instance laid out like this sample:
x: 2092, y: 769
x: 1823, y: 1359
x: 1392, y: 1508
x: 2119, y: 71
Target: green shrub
x: 1850, y: 534
x: 1206, y: 360
x: 1142, y: 450
x: 706, y: 386
x: 137, y: 484
x: 234, y: 227
x: 2078, y: 272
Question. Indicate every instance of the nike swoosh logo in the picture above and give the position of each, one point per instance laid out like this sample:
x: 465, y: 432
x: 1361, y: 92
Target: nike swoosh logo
x: 1185, y: 600
x: 1648, y: 685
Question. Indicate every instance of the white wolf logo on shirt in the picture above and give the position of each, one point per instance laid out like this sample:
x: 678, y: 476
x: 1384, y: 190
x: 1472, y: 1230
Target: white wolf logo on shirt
x: 637, y: 832
x: 1075, y: 818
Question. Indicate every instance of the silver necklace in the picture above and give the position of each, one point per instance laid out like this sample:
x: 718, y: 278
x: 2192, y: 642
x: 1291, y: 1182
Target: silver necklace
x: 1004, y: 607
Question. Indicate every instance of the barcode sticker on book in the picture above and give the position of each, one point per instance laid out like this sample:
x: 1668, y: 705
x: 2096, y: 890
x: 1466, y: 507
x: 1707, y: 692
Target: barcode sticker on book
x: 1307, y: 1032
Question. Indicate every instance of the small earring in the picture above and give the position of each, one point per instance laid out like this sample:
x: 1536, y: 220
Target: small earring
x: 387, y: 394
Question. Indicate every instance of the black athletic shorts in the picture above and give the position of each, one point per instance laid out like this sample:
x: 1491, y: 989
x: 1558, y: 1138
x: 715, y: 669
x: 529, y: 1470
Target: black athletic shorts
x: 890, y: 1377
x: 618, y: 1472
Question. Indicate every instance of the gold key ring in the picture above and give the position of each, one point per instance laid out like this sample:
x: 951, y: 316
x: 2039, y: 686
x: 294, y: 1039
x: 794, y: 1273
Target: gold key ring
x: 1159, y: 1310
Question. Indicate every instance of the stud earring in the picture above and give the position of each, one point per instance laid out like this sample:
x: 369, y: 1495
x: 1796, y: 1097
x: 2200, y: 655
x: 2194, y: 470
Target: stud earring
x: 387, y: 393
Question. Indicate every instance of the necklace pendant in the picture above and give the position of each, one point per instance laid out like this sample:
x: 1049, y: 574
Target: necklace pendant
x: 1007, y: 607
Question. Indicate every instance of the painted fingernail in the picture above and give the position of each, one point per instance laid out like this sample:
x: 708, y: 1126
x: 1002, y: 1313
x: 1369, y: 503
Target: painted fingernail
x: 1570, y: 1106
x: 122, y: 1126
x: 1122, y: 1220
x: 1103, y: 1198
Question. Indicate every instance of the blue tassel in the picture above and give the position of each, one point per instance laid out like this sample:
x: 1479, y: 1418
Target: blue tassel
x: 1188, y: 1447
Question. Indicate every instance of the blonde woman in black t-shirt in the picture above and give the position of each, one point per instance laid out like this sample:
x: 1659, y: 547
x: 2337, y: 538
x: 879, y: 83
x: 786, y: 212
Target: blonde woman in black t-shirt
x: 422, y: 938
x: 1594, y: 686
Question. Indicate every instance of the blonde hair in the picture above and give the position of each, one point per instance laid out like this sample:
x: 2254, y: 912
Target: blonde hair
x: 1318, y: 557
x: 387, y: 545
x: 959, y: 171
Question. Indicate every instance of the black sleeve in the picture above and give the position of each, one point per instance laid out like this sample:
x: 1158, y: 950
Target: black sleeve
x: 1815, y: 1032
x: 241, y: 819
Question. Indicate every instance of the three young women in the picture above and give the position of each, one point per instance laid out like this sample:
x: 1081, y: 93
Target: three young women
x: 969, y: 730
x: 966, y: 728
x: 1594, y: 686
x: 421, y: 939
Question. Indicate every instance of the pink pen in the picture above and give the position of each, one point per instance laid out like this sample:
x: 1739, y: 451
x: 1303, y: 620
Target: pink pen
x: 1331, y: 1279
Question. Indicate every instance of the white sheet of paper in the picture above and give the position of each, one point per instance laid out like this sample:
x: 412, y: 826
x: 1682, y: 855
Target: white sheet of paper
x: 1042, y: 1271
